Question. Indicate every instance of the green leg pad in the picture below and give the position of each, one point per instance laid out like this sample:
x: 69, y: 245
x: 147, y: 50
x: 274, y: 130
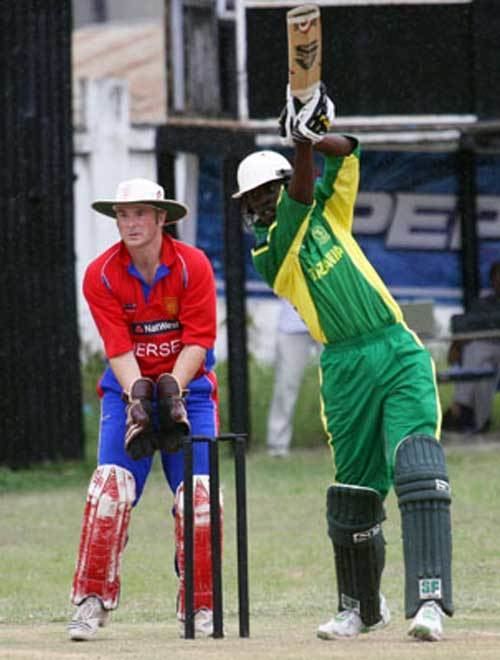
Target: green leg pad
x: 424, y: 496
x: 354, y: 517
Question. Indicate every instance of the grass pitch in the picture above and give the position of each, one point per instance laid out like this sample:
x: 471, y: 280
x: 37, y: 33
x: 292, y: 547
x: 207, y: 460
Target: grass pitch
x: 292, y: 584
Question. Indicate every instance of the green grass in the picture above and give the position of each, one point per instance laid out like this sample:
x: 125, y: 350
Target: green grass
x: 292, y: 581
x: 291, y: 564
x: 290, y: 556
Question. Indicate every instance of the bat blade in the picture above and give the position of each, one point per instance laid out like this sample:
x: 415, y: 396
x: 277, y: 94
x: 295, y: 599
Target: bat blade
x: 304, y: 50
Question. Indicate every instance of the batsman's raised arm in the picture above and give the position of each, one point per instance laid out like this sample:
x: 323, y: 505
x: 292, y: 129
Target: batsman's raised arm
x: 336, y: 145
x: 301, y: 186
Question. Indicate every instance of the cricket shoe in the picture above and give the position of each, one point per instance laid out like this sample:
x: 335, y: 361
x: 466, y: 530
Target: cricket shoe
x: 347, y: 623
x: 427, y: 625
x: 89, y: 616
x: 203, y: 623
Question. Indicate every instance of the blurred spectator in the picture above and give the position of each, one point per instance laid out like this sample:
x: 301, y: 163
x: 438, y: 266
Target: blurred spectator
x: 472, y: 401
x: 294, y: 350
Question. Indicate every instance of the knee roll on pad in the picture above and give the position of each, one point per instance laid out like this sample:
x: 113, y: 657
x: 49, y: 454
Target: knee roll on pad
x: 354, y: 517
x: 424, y: 496
x: 106, y: 518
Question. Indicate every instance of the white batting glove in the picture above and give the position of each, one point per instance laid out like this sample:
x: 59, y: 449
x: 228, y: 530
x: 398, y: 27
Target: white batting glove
x: 314, y: 119
x: 288, y: 117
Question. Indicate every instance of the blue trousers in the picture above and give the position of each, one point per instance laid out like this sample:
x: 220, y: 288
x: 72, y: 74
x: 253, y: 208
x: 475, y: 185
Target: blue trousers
x: 202, y: 410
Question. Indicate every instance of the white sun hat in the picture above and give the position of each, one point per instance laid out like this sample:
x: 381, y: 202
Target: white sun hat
x: 141, y: 191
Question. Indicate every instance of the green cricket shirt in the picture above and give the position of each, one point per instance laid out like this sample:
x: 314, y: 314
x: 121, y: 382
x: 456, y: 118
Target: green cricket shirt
x: 309, y: 256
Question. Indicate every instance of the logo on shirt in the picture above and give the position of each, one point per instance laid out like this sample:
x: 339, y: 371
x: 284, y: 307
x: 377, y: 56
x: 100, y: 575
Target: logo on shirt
x: 326, y: 263
x: 171, y: 305
x: 147, y: 349
x: 320, y: 234
x: 154, y: 327
x: 129, y: 307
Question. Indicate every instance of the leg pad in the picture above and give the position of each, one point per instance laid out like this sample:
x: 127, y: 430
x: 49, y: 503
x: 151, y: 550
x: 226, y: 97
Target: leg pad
x: 354, y: 517
x: 203, y: 598
x: 424, y: 496
x: 106, y: 518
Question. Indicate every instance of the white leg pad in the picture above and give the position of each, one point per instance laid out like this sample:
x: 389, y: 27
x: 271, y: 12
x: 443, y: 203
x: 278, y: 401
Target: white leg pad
x: 106, y: 518
x: 202, y: 543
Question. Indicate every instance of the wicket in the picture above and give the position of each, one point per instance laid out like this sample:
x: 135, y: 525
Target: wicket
x: 238, y: 441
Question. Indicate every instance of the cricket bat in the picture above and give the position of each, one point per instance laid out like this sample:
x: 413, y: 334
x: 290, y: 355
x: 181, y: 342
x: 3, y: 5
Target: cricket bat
x: 304, y: 50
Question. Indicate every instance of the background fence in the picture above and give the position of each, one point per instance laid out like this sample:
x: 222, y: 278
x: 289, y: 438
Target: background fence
x: 40, y: 409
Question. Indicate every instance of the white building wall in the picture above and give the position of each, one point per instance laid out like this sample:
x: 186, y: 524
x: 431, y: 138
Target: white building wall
x: 107, y: 150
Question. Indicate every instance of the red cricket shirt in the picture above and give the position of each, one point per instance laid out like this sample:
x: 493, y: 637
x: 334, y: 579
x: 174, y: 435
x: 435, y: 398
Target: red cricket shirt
x: 155, y: 322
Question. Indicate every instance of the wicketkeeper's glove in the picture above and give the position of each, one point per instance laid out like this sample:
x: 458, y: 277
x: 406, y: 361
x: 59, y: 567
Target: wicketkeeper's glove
x: 139, y: 435
x: 174, y: 423
x: 314, y: 118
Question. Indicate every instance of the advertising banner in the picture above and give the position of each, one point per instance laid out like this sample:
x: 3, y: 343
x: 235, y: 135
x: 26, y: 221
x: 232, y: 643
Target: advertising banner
x: 406, y: 221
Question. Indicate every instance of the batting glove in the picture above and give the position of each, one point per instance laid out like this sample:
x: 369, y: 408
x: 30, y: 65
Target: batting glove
x: 288, y: 117
x: 315, y: 117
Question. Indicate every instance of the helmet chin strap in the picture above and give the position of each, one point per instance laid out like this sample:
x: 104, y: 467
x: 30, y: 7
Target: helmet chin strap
x: 249, y: 219
x: 248, y: 216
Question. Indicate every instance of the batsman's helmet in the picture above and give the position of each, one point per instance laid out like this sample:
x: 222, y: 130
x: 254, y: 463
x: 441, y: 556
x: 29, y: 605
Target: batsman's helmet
x: 259, y: 168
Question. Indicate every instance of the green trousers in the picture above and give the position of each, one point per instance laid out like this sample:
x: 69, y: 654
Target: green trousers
x: 376, y: 390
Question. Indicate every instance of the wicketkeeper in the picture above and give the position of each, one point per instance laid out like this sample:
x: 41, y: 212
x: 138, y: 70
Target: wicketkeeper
x: 153, y: 301
x: 379, y: 396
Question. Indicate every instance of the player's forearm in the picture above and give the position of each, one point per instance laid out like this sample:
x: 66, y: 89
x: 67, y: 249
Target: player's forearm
x: 188, y: 363
x: 301, y: 186
x: 125, y: 368
x: 336, y: 145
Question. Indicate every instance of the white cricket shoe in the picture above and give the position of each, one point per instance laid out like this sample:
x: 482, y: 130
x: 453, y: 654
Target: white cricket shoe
x: 203, y: 623
x: 347, y: 623
x: 89, y: 616
x: 428, y: 623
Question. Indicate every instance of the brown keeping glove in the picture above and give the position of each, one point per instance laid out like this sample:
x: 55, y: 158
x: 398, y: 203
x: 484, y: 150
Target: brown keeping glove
x: 139, y: 435
x: 174, y: 423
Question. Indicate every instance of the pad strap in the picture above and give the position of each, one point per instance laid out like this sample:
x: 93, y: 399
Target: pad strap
x: 424, y: 496
x: 354, y: 518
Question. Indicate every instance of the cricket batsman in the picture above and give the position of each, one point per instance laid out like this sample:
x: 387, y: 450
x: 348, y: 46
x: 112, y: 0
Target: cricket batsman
x: 379, y: 398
